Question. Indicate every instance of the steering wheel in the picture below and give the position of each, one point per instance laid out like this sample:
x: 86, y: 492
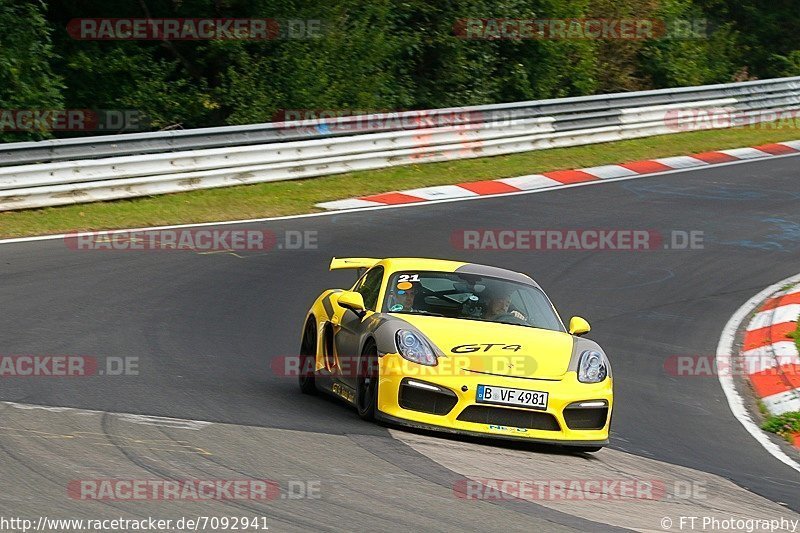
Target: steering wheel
x: 510, y: 318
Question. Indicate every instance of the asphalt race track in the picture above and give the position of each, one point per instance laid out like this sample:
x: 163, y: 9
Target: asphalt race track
x: 205, y: 327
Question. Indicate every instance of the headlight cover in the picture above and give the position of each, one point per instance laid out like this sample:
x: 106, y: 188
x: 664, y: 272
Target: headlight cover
x: 592, y: 367
x: 415, y: 349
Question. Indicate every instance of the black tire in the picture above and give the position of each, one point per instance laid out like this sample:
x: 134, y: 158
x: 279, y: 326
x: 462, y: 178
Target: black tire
x: 308, y: 354
x: 367, y: 383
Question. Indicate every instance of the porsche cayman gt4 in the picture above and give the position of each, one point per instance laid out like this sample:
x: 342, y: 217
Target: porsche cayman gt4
x: 457, y: 347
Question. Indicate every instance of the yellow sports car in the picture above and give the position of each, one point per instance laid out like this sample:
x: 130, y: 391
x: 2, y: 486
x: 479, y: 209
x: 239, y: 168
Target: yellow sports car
x: 457, y: 347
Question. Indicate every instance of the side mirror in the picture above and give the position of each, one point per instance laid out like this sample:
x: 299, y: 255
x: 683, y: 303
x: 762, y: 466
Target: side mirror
x: 352, y: 300
x: 578, y: 326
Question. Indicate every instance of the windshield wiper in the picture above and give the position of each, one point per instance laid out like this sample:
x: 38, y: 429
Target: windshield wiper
x: 496, y: 321
x: 428, y: 313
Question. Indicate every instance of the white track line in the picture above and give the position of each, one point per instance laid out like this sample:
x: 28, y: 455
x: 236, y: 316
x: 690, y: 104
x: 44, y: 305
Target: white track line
x: 725, y: 350
x: 406, y: 206
x: 146, y: 420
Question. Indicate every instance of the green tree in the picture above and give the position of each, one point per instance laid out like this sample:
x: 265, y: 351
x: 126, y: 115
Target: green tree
x: 768, y: 33
x: 27, y: 80
x: 373, y: 55
x: 696, y: 50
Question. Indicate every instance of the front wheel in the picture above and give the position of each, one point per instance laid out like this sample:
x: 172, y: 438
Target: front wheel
x: 308, y: 356
x: 367, y: 383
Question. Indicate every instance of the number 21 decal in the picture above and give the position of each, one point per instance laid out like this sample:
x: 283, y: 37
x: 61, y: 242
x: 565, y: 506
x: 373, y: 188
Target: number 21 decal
x: 408, y: 277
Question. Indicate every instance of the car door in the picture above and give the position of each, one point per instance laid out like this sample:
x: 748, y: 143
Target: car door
x: 348, y: 333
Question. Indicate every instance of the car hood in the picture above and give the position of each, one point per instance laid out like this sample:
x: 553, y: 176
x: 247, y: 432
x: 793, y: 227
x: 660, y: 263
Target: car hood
x: 494, y: 348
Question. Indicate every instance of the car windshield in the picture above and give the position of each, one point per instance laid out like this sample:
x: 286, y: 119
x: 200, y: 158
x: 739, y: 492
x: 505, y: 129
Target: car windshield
x: 470, y: 297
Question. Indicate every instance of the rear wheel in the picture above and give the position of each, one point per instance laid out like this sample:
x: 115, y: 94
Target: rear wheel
x: 367, y: 383
x: 308, y: 355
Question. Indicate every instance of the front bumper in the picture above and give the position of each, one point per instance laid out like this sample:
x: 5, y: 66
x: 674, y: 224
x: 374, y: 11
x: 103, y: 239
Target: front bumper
x: 454, y: 409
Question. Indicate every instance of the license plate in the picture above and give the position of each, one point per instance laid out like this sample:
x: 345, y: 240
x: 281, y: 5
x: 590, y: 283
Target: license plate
x: 506, y: 396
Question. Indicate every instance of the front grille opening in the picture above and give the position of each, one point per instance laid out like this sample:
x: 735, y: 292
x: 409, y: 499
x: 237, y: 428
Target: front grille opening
x: 433, y: 402
x: 594, y: 418
x: 482, y: 414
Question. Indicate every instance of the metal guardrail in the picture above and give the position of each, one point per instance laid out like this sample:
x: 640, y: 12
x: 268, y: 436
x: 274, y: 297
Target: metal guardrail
x: 68, y: 171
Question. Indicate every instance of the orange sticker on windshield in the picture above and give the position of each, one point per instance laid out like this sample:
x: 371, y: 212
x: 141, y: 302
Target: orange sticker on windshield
x: 404, y: 285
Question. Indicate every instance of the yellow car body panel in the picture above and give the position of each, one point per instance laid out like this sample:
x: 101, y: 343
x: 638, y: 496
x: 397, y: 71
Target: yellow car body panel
x: 533, y: 348
x: 561, y: 394
x: 471, y: 353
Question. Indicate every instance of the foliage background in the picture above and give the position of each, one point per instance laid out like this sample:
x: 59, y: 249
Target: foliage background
x: 371, y: 55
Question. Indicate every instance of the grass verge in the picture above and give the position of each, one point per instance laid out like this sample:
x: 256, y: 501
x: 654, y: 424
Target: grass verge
x: 785, y: 425
x: 299, y: 196
x: 797, y: 334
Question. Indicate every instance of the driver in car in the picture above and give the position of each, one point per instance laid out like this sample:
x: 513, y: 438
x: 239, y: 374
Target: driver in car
x: 497, y: 306
x: 403, y: 299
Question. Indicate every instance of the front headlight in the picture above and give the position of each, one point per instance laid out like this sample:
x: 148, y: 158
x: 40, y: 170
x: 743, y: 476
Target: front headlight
x: 415, y: 349
x: 592, y: 367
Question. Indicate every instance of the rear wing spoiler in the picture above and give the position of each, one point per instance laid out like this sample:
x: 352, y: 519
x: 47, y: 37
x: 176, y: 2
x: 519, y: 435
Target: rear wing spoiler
x: 340, y: 263
x: 360, y: 264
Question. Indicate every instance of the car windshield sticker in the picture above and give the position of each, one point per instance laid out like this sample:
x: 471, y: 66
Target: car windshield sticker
x: 404, y: 285
x: 396, y: 307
